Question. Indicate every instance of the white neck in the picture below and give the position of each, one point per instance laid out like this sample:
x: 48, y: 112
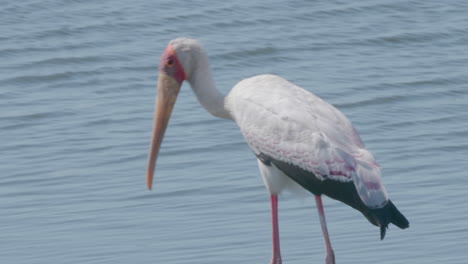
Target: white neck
x: 205, y: 89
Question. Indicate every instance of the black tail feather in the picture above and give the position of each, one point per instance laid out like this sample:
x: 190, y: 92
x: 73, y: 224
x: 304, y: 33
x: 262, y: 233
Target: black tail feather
x: 342, y: 191
x: 385, y: 215
x: 383, y: 229
x: 398, y: 218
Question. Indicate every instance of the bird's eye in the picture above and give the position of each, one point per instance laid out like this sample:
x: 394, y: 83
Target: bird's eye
x: 170, y: 62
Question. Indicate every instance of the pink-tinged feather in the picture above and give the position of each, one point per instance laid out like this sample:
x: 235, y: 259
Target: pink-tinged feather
x: 304, y: 131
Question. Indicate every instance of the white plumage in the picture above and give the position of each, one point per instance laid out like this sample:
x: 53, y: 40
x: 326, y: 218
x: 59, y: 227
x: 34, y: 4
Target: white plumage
x: 299, y: 139
x: 288, y: 123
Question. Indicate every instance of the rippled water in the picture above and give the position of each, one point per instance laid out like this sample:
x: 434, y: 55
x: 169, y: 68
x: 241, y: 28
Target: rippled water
x: 77, y: 91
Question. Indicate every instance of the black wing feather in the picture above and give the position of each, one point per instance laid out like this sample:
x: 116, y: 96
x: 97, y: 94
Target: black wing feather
x: 342, y: 191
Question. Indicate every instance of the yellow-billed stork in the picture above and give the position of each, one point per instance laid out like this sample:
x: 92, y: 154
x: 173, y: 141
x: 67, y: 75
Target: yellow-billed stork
x: 298, y: 138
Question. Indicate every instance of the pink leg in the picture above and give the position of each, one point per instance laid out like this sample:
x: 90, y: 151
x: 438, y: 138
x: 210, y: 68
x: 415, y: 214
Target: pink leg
x: 330, y: 254
x: 276, y: 259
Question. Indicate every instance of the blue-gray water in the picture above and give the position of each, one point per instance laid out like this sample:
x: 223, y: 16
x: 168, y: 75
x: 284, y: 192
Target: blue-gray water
x: 77, y: 87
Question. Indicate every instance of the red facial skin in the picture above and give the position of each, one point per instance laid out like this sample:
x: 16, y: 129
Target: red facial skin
x: 171, y: 76
x: 171, y: 65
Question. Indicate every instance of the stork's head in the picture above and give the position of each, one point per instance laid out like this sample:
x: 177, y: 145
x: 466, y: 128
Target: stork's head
x: 175, y: 66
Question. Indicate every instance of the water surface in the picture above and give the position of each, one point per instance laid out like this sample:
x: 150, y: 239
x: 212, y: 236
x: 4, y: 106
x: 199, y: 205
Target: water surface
x: 77, y: 91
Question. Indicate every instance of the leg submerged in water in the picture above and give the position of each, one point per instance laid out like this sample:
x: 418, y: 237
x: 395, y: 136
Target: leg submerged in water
x: 276, y: 258
x: 330, y: 259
